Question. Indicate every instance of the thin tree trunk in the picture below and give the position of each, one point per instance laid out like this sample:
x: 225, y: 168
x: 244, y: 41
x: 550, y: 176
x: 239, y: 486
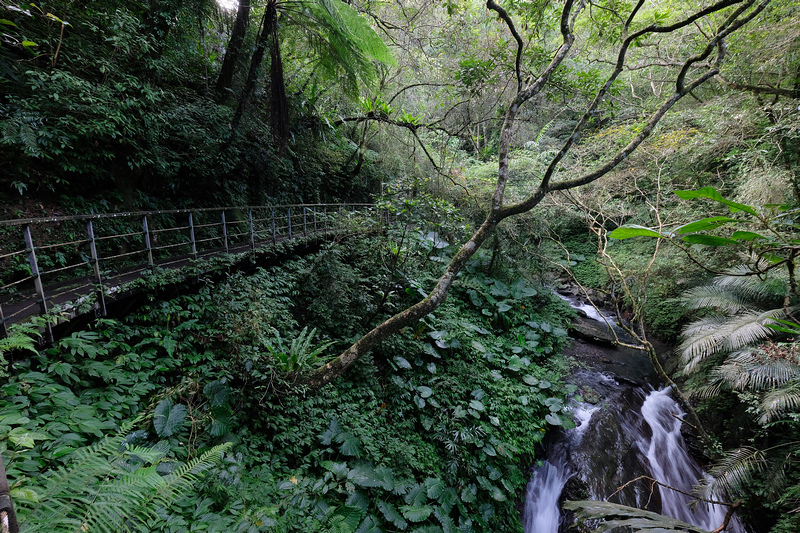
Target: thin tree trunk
x: 233, y: 51
x: 255, y: 63
x: 279, y: 104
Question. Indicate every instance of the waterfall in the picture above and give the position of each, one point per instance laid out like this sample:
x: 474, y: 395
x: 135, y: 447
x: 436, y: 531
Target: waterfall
x: 671, y: 464
x: 542, y: 512
x: 653, y: 431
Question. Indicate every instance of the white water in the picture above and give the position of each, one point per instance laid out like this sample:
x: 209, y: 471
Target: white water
x: 542, y: 513
x: 590, y: 311
x: 666, y: 457
x: 671, y: 464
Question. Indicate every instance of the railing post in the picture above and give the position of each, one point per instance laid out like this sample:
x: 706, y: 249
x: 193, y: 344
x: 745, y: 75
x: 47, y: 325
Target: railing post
x: 314, y: 210
x: 101, y: 297
x: 148, y: 246
x: 8, y: 517
x: 225, y: 231
x: 252, y: 231
x: 325, y: 214
x: 37, y: 278
x: 289, y: 221
x: 192, y: 238
x: 272, y: 218
x: 305, y: 226
x: 3, y: 329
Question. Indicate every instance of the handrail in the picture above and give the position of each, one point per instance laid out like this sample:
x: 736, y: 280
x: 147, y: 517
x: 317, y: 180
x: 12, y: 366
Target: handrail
x: 111, y: 249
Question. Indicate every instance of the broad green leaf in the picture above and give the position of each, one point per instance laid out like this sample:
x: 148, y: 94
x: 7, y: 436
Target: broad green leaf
x: 390, y: 513
x: 477, y: 405
x: 746, y: 236
x: 347, y: 515
x: 351, y: 444
x: 468, y: 493
x: 370, y: 525
x: 24, y: 494
x: 632, y: 230
x: 705, y: 224
x: 514, y: 363
x: 168, y: 417
x: 416, y: 513
x: 169, y: 345
x: 530, y: 380
x: 712, y: 194
x: 424, y: 391
x: 434, y: 487
x: 708, y: 240
x: 553, y: 419
x: 25, y: 438
x: 402, y: 362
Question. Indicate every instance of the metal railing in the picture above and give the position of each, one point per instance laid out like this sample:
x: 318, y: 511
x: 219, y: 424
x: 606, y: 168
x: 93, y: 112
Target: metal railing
x: 74, y: 261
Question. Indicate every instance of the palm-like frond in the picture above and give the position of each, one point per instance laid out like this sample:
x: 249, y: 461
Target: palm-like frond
x: 344, y: 40
x: 755, y: 370
x: 733, y: 473
x: 717, y: 334
x: 730, y: 294
x: 780, y: 400
x: 607, y: 516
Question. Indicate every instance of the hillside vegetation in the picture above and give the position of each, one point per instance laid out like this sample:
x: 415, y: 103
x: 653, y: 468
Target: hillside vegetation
x: 510, y: 140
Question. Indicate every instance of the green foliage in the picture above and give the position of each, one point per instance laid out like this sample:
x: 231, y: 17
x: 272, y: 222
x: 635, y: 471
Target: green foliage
x: 109, y: 486
x: 300, y: 355
x: 21, y: 336
x: 350, y: 42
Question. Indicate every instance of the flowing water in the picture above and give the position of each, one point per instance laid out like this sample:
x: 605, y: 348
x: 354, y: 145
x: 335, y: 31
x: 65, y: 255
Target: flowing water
x: 584, y: 458
x: 628, y: 433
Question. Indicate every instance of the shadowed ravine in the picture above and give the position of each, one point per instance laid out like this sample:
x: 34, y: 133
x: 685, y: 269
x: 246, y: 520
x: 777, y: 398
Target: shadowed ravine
x: 624, y: 430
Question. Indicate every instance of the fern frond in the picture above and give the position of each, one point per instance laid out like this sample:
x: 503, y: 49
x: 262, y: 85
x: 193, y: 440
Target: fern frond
x: 779, y: 401
x: 717, y: 298
x: 755, y: 370
x: 344, y: 40
x: 101, y: 490
x: 733, y: 473
x: 712, y: 335
x: 773, y: 287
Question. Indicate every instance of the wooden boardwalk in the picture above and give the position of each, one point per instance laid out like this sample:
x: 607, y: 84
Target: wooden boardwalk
x: 78, y: 264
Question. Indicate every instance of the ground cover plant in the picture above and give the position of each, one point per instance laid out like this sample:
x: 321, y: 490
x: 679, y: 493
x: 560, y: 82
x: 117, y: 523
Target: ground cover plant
x: 433, y: 432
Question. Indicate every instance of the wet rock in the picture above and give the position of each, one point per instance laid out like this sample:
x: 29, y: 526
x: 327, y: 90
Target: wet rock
x: 592, y: 331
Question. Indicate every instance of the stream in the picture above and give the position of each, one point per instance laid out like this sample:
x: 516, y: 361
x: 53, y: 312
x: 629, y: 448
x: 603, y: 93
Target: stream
x: 624, y: 429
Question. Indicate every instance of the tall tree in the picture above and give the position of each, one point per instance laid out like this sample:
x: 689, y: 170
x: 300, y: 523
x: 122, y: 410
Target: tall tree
x: 699, y: 65
x: 234, y: 50
x: 345, y: 45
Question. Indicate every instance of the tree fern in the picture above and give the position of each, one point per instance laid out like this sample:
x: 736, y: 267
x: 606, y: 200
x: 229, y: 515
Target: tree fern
x: 720, y: 334
x: 102, y: 489
x: 754, y: 369
x: 734, y: 472
x: 344, y: 40
x: 780, y: 401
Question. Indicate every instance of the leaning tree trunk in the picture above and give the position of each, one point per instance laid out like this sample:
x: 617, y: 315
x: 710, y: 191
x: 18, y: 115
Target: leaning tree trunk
x: 498, y: 211
x: 233, y: 52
